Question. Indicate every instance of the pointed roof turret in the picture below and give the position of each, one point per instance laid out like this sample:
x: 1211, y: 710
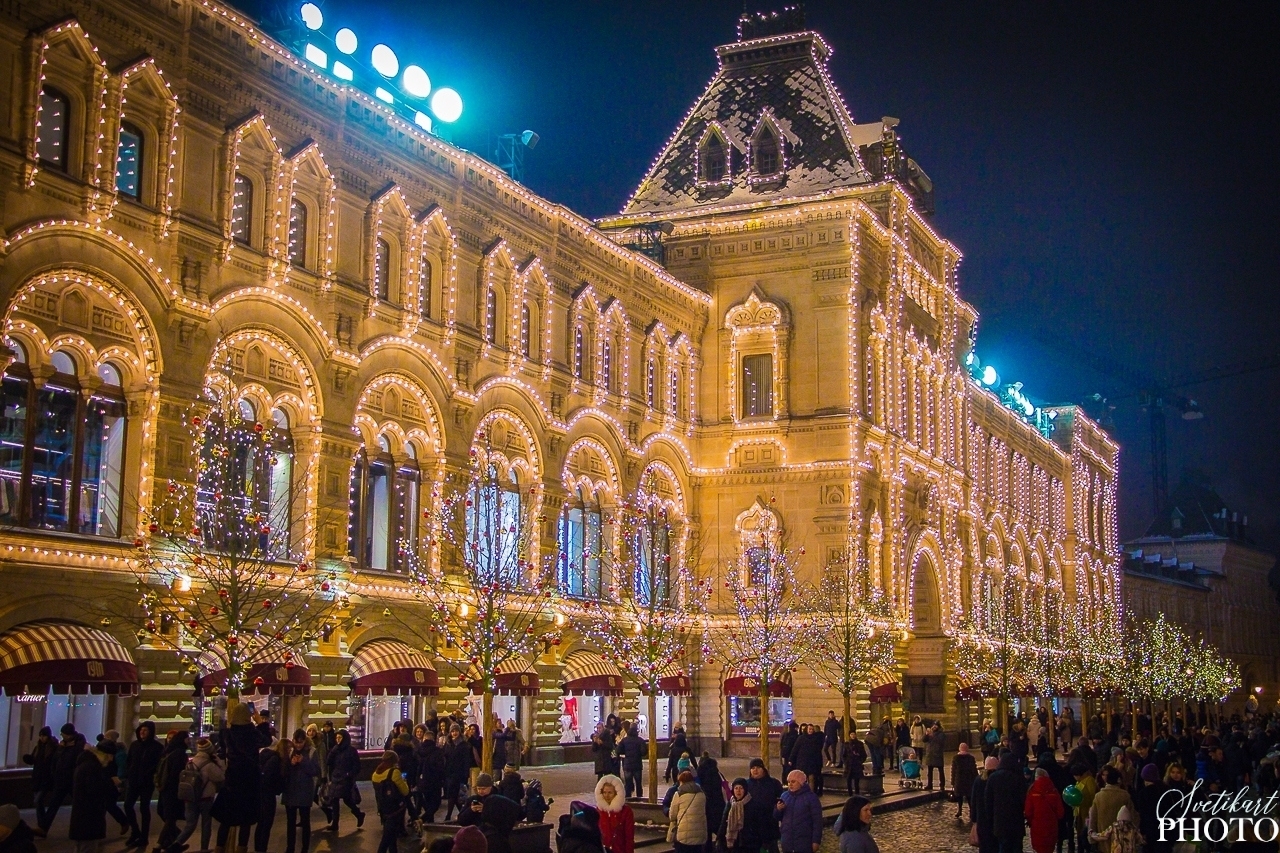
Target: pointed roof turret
x: 770, y: 125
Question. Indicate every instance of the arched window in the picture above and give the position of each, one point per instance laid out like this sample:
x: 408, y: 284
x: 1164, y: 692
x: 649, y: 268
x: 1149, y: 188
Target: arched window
x: 526, y: 323
x: 129, y: 162
x: 241, y: 209
x: 765, y: 152
x: 382, y: 270
x: 714, y: 160
x: 384, y: 517
x: 581, y: 539
x: 493, y: 524
x: 653, y: 566
x: 63, y: 469
x: 55, y: 127
x: 424, y: 287
x: 606, y: 366
x: 298, y: 233
x: 577, y: 352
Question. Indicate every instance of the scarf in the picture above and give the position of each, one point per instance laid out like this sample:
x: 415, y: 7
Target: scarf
x: 733, y: 823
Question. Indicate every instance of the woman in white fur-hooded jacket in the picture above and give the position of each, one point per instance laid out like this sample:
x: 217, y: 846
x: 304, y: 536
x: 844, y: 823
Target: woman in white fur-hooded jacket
x: 687, y: 829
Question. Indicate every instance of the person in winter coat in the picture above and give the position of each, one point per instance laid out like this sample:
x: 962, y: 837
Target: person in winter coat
x: 1107, y: 804
x: 1043, y: 810
x: 493, y: 813
x: 964, y: 770
x: 799, y: 815
x: 1152, y: 788
x: 933, y: 742
x: 65, y: 757
x: 404, y: 748
x: 457, y: 757
x: 430, y: 760
x: 511, y: 786
x: 273, y: 761
x: 1123, y: 836
x: 806, y: 756
x: 979, y: 813
x: 765, y: 790
x: 15, y: 835
x: 299, y: 791
x: 391, y: 792
x: 617, y: 820
x: 853, y: 827
x: 42, y: 760
x: 516, y: 744
x: 901, y: 740
x: 1061, y: 779
x: 170, y: 809
x: 918, y: 734
x: 602, y: 743
x: 852, y: 757
x: 344, y: 767
x: 237, y: 801
x: 632, y: 748
x: 832, y: 735
x: 91, y: 790
x: 141, y: 763
x: 748, y: 823
x: 678, y: 747
x: 712, y: 785
x: 578, y: 832
x: 687, y: 822
x: 1006, y: 797
x: 199, y: 812
x: 787, y: 743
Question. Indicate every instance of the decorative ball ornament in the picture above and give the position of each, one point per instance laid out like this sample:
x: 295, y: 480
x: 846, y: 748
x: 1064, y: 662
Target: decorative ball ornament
x: 1072, y: 796
x: 259, y: 681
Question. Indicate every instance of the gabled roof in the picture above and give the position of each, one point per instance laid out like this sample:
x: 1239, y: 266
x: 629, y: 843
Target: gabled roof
x: 1195, y: 510
x: 779, y: 76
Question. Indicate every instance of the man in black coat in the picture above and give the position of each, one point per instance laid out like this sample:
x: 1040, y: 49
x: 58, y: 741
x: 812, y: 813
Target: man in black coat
x: 1006, y: 795
x: 806, y: 756
x: 679, y: 746
x: 786, y: 743
x: 765, y: 789
x: 344, y: 767
x: 171, y: 809
x: 64, y: 768
x: 43, y: 761
x: 602, y: 743
x: 632, y: 750
x: 430, y: 760
x: 495, y: 814
x: 457, y: 763
x: 140, y: 781
x: 832, y: 735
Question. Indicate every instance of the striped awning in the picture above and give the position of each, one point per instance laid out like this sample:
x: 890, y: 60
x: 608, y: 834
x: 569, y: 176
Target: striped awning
x: 277, y: 677
x: 588, y: 674
x: 386, y: 667
x: 675, y: 683
x: 63, y: 657
x: 736, y: 684
x: 884, y: 684
x: 515, y: 677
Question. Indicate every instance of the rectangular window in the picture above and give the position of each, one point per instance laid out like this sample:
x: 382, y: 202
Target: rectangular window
x: 241, y: 209
x: 51, y: 144
x: 924, y: 693
x: 382, y: 270
x: 102, y: 460
x: 298, y: 234
x: 13, y: 437
x: 757, y: 386
x: 129, y: 163
x: 53, y: 467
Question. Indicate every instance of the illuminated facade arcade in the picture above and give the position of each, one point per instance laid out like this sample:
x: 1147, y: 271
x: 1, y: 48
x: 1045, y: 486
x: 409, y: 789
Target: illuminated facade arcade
x: 288, y: 248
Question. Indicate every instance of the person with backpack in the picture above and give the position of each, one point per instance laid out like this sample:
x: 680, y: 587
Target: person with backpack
x: 272, y: 762
x: 169, y: 808
x: 391, y: 792
x: 344, y: 767
x: 299, y: 791
x: 141, y: 763
x: 198, y: 784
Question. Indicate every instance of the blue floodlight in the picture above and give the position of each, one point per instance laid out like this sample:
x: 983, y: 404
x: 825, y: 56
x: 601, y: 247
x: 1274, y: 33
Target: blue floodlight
x: 383, y: 95
x: 345, y: 41
x: 423, y: 121
x: 447, y: 105
x: 416, y: 82
x: 342, y: 72
x: 316, y: 56
x: 989, y: 376
x: 384, y: 60
x: 312, y: 16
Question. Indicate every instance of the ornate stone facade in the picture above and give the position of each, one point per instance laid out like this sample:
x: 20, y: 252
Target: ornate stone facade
x: 220, y: 221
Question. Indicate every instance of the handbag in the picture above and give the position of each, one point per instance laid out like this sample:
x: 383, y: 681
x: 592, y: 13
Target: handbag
x: 973, y: 836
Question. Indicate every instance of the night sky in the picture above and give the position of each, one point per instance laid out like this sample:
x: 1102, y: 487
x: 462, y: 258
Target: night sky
x: 1110, y: 175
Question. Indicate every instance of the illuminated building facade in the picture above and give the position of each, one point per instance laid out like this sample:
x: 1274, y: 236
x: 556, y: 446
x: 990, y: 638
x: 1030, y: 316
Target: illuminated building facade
x: 193, y: 212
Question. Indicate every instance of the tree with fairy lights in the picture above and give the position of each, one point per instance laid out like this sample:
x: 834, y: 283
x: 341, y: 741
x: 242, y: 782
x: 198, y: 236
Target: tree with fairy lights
x: 222, y: 579
x: 768, y: 628
x: 854, y: 630
x: 488, y: 593
x: 651, y: 604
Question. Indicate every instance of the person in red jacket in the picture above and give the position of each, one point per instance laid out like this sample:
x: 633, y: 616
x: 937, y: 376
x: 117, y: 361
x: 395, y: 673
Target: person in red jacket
x: 617, y: 821
x: 1043, y: 810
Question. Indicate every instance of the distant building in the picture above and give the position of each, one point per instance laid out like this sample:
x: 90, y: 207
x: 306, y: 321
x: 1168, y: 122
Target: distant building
x: 1198, y: 566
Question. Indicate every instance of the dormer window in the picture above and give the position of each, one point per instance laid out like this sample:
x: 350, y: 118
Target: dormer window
x: 766, y: 154
x: 713, y: 158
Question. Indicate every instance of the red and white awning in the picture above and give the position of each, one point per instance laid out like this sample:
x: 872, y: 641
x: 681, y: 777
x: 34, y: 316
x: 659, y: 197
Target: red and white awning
x: 737, y: 684
x: 515, y: 677
x: 588, y: 674
x: 63, y: 657
x: 277, y: 677
x: 390, y: 667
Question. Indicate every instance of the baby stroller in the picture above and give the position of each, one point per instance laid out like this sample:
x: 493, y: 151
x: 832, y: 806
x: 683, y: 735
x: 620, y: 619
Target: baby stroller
x: 535, y: 805
x: 911, y: 773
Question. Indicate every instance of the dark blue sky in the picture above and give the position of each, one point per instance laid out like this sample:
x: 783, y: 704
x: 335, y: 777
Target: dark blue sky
x: 1110, y: 172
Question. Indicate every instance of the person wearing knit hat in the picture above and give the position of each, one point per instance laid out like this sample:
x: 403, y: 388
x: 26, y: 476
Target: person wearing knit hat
x: 964, y: 770
x: 990, y: 763
x: 495, y: 814
x: 392, y: 794
x: 470, y: 839
x: 1147, y: 798
x: 15, y: 835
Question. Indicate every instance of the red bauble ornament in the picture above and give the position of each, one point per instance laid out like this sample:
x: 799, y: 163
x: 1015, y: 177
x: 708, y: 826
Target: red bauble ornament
x: 213, y: 611
x: 197, y: 420
x: 259, y: 681
x: 233, y: 639
x: 289, y: 664
x: 137, y: 543
x: 324, y: 587
x: 266, y: 605
x: 257, y: 427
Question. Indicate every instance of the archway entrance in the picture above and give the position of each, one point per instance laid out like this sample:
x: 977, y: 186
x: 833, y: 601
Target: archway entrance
x: 925, y: 679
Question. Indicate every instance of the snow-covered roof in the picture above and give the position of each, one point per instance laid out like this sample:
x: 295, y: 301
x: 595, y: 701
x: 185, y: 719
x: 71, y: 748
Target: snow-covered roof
x: 779, y: 78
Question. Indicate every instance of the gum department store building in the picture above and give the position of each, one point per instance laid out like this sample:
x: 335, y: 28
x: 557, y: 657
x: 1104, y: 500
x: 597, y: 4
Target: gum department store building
x: 191, y: 211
